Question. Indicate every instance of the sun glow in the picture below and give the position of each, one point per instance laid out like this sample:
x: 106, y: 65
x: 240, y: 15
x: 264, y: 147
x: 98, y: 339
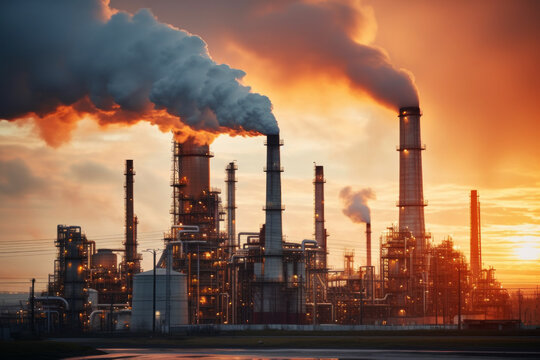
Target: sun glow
x: 529, y: 249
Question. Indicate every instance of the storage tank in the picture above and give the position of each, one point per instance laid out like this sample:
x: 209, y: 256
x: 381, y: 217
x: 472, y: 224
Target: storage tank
x: 104, y: 258
x: 141, y: 314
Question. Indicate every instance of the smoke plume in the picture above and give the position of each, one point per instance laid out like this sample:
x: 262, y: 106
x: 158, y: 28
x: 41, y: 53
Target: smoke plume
x: 355, y: 204
x: 299, y: 39
x: 63, y: 60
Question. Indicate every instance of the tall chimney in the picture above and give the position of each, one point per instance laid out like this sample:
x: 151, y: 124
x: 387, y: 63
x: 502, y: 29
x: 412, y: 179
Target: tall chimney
x: 368, y: 244
x: 131, y: 257
x: 231, y: 202
x: 411, y: 194
x: 476, y: 242
x: 320, y: 231
x: 131, y: 246
x: 273, y: 250
x: 194, y: 165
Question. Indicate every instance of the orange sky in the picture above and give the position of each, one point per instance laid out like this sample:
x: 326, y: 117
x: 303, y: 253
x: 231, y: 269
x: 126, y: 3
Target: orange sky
x: 475, y: 66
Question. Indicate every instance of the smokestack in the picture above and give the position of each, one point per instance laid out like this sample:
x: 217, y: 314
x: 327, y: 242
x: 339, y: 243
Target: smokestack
x: 320, y: 231
x: 273, y: 268
x: 476, y: 242
x: 131, y: 258
x: 411, y: 194
x: 130, y: 244
x: 368, y: 244
x: 194, y: 165
x: 231, y: 202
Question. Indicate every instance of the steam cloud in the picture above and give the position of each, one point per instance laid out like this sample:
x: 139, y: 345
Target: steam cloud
x: 299, y: 38
x: 355, y: 204
x: 65, y: 59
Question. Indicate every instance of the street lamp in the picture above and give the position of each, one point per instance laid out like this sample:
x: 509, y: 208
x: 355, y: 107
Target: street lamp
x: 153, y: 251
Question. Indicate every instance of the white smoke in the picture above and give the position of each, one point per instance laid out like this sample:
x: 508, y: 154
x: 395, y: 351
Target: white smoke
x: 355, y: 204
x: 65, y: 52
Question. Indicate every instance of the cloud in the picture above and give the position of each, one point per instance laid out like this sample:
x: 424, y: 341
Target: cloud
x: 16, y: 179
x: 299, y: 39
x: 65, y: 60
x: 90, y: 171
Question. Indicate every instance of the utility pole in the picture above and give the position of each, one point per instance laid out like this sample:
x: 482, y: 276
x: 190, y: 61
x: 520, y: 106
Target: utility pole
x: 519, y: 306
x: 436, y: 295
x: 314, y: 300
x: 361, y: 307
x: 32, y: 300
x: 459, y: 297
x: 154, y: 298
x: 153, y: 251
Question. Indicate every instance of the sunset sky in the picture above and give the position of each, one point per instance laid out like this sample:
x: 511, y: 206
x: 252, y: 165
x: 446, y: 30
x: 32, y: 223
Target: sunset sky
x: 474, y: 63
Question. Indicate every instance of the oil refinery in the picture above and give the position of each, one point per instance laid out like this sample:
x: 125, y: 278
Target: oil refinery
x: 208, y: 274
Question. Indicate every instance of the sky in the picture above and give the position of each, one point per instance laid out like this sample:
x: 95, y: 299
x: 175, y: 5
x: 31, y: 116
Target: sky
x: 473, y: 63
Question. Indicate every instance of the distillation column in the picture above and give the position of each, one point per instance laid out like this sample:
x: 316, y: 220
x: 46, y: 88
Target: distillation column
x: 320, y: 231
x: 231, y: 203
x: 131, y: 258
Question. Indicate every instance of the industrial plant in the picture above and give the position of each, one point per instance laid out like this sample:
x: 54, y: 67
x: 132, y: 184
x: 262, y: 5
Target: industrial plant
x: 208, y: 273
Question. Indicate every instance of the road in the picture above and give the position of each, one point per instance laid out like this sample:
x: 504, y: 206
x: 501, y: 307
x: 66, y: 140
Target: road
x: 277, y: 354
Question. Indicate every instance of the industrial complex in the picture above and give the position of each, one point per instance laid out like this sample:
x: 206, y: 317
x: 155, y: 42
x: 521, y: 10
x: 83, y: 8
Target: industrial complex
x: 207, y: 273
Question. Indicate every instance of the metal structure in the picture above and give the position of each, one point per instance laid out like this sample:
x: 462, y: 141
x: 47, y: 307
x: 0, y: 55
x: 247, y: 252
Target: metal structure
x: 132, y: 260
x: 321, y: 235
x: 71, y: 272
x: 368, y: 244
x: 231, y: 181
x: 476, y: 242
x: 197, y: 254
x: 411, y: 194
x: 258, y: 277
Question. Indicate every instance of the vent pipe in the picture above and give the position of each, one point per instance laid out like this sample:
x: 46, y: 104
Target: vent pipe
x: 368, y: 244
x: 231, y: 202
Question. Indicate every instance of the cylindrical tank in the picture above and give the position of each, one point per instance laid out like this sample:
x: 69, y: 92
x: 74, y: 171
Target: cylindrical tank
x: 104, y: 258
x: 195, y: 168
x: 141, y: 314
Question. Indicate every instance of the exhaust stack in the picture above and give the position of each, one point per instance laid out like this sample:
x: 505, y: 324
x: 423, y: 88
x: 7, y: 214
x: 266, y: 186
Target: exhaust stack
x: 320, y: 231
x: 273, y: 251
x: 476, y: 242
x: 411, y: 192
x: 368, y: 244
x: 231, y: 202
x: 131, y: 258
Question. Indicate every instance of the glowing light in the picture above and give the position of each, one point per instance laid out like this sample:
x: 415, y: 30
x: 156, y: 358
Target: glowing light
x: 528, y: 249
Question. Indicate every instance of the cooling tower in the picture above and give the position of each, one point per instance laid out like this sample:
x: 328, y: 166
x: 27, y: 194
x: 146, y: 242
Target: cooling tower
x: 411, y: 194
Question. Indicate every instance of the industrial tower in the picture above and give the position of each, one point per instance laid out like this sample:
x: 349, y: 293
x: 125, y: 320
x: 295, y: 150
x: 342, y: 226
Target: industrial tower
x: 411, y: 194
